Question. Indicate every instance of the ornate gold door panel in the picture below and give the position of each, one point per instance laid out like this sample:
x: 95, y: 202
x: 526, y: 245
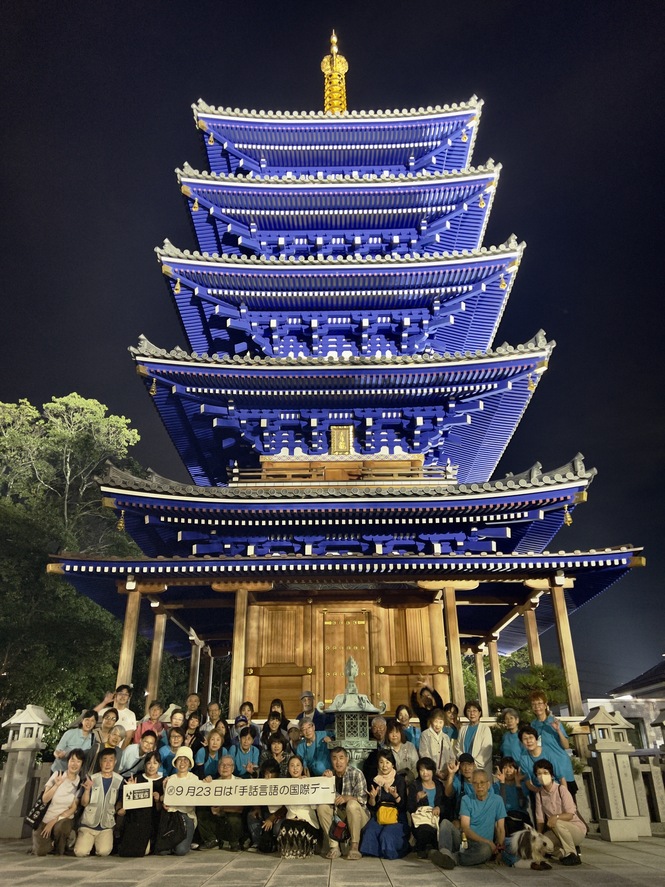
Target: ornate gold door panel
x: 344, y: 634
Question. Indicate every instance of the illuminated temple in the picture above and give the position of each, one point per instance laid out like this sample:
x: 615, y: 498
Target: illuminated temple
x: 341, y: 408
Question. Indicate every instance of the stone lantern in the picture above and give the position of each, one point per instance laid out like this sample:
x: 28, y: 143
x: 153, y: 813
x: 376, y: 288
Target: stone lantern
x: 352, y: 710
x: 26, y: 729
x: 660, y: 722
x: 625, y: 818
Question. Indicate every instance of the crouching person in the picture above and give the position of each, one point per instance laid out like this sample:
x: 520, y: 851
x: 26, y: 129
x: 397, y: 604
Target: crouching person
x: 350, y: 804
x: 62, y: 794
x: 182, y: 778
x: 482, y: 820
x: 557, y: 817
x: 100, y: 794
x: 221, y: 824
x: 265, y: 822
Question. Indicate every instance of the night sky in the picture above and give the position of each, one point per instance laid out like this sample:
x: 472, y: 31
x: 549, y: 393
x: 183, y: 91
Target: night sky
x: 96, y: 115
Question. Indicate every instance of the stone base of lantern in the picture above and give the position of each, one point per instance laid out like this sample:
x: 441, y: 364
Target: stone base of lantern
x: 13, y: 827
x: 619, y: 830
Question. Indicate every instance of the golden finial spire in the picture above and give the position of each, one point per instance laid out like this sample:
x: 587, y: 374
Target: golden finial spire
x: 334, y: 67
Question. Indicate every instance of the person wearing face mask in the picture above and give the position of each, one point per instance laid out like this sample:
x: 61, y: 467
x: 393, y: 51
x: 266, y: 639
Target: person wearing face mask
x: 557, y: 817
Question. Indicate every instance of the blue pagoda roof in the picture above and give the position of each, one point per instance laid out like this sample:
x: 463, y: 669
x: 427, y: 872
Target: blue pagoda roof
x: 434, y: 138
x: 518, y: 513
x: 232, y: 304
x: 195, y: 586
x: 339, y: 214
x: 457, y: 408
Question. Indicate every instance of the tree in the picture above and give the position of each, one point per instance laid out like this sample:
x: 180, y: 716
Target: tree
x: 518, y: 660
x: 58, y: 648
x: 51, y: 459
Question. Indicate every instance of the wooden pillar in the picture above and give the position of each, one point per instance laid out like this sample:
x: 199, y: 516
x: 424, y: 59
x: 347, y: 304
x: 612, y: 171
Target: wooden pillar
x: 495, y: 667
x: 236, y: 685
x: 479, y: 657
x: 208, y: 667
x: 566, y: 649
x: 156, y: 655
x: 532, y: 638
x: 454, y: 649
x: 380, y: 650
x: 439, y: 652
x: 128, y: 644
x: 194, y: 666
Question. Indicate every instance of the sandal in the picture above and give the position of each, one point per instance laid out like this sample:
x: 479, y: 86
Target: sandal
x: 333, y: 853
x: 354, y: 854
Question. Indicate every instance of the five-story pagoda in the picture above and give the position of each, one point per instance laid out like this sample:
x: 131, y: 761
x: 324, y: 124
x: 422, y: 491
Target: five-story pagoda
x: 341, y: 411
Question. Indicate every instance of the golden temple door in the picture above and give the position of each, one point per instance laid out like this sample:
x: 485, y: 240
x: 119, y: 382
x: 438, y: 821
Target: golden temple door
x: 345, y: 633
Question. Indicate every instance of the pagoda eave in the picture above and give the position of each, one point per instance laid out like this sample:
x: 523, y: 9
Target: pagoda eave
x: 358, y: 578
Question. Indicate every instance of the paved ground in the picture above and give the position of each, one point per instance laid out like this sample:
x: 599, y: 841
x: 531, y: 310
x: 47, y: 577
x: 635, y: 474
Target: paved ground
x: 607, y: 865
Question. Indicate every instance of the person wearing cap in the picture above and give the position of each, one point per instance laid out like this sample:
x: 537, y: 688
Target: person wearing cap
x: 293, y: 731
x: 321, y: 720
x: 183, y: 762
x: 243, y: 720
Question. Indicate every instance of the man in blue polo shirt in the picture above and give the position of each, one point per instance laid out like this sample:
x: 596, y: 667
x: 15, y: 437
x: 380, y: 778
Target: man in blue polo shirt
x: 481, y: 820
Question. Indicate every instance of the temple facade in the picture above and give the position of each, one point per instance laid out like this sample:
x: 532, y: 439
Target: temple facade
x: 341, y: 408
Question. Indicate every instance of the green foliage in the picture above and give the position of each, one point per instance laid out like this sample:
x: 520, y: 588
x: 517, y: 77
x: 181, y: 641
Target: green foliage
x: 50, y: 460
x: 517, y: 660
x: 58, y: 648
x: 549, y: 678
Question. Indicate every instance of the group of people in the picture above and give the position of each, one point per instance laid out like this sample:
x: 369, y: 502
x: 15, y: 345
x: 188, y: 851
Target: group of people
x: 429, y: 784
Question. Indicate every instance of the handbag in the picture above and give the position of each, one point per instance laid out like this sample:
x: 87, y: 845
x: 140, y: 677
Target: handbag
x: 338, y: 830
x: 424, y: 816
x: 386, y: 815
x: 36, y: 813
x: 172, y: 830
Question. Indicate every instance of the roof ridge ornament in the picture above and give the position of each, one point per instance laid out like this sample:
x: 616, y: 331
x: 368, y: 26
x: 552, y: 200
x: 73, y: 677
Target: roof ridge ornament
x: 334, y: 67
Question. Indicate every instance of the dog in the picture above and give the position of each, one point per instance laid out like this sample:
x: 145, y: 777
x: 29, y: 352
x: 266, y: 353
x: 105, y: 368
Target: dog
x: 528, y: 848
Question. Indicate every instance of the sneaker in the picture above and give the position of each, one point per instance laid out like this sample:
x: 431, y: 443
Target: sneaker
x: 422, y: 854
x: 209, y: 845
x: 571, y: 859
x: 234, y: 848
x: 442, y: 859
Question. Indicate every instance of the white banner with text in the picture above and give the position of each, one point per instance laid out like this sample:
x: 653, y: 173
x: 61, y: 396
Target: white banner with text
x: 249, y: 792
